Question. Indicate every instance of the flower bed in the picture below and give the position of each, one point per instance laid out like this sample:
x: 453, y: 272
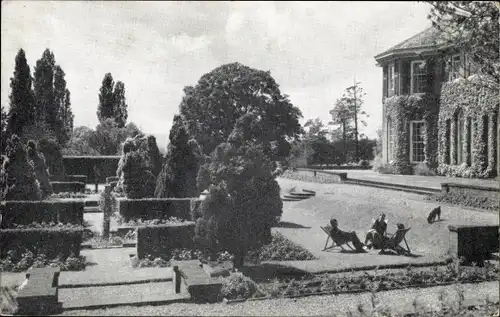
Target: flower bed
x: 281, y: 249
x: 20, y: 263
x: 463, y: 199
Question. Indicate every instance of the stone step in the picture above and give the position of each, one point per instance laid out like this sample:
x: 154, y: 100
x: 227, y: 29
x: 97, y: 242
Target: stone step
x: 92, y: 209
x: 397, y: 187
x: 295, y: 197
x: 100, y: 297
x: 302, y: 194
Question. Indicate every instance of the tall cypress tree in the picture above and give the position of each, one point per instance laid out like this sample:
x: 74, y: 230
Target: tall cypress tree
x: 46, y: 110
x: 59, y: 100
x: 105, y: 109
x: 22, y: 102
x: 120, y: 106
x: 66, y: 118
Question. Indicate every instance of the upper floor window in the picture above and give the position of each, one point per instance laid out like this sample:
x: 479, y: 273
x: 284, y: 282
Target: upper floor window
x: 392, y: 79
x: 454, y: 66
x: 418, y: 77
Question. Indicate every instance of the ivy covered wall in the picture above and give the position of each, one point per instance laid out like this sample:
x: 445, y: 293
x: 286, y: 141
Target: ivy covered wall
x: 480, y: 105
x: 401, y: 110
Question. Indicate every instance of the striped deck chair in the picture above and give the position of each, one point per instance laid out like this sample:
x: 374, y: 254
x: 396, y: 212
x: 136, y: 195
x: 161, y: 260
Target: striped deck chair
x: 392, y: 242
x: 334, y: 244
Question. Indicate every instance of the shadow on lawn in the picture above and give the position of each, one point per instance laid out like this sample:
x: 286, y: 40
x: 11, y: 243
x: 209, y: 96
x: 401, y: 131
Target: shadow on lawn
x: 268, y: 271
x: 291, y: 225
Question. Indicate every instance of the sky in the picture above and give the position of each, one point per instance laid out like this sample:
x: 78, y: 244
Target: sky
x: 314, y: 50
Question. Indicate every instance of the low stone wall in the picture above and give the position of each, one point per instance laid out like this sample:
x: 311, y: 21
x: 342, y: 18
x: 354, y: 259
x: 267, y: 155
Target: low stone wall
x: 324, y: 177
x: 473, y: 241
x: 160, y: 240
x: 479, y: 191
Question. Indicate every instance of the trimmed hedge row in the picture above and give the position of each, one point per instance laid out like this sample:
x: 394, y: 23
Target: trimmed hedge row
x: 68, y: 187
x: 107, y: 166
x: 112, y: 179
x: 76, y: 178
x: 156, y: 208
x: 160, y: 240
x: 48, y: 241
x: 27, y: 212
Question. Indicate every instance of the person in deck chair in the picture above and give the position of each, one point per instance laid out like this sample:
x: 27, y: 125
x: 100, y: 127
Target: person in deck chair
x: 342, y: 237
x: 374, y: 236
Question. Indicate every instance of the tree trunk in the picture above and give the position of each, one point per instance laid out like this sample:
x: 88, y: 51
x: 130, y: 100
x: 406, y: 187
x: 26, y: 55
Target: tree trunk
x: 344, y: 137
x: 356, y: 124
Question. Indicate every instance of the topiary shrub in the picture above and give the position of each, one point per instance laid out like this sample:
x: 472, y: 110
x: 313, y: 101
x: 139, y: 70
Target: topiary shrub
x: 178, y: 176
x: 51, y: 150
x: 41, y: 172
x: 20, y: 177
x: 422, y: 169
x: 154, y: 155
x: 138, y: 181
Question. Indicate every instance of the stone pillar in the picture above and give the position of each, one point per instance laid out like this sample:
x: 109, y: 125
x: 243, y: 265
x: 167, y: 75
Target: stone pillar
x: 176, y: 279
x: 107, y: 208
x: 467, y: 145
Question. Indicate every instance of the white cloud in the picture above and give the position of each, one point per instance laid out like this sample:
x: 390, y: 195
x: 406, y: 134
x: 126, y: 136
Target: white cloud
x: 313, y: 49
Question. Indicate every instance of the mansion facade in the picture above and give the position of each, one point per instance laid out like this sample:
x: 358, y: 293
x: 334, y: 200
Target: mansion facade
x: 436, y: 111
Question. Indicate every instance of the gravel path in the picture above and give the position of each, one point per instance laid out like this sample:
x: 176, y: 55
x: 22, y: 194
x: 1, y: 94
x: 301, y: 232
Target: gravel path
x: 332, y: 305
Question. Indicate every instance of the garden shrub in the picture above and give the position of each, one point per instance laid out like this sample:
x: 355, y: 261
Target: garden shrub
x: 107, y: 166
x: 76, y: 178
x: 68, y: 187
x: 178, y: 176
x: 51, y: 151
x: 282, y: 249
x: 29, y: 260
x: 138, y: 181
x: 154, y: 208
x: 161, y: 240
x: 27, y: 212
x: 42, y: 175
x: 422, y: 169
x: 238, y: 286
x: 20, y: 177
x: 154, y: 155
x: 464, y: 199
x: 52, y: 242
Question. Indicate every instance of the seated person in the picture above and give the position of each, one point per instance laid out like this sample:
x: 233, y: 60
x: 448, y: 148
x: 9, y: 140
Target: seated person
x: 376, y: 233
x: 342, y: 237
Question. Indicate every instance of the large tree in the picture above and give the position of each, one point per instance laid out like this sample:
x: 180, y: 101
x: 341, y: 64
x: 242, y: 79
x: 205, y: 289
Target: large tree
x: 3, y: 132
x: 120, y: 105
x: 112, y: 102
x: 65, y: 118
x: 352, y: 101
x: 474, y: 27
x: 46, y: 108
x: 222, y: 96
x: 244, y: 198
x: 342, y: 117
x: 22, y: 100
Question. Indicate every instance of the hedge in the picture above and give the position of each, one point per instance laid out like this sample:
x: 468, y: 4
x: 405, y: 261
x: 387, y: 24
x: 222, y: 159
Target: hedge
x: 160, y: 240
x: 68, y: 187
x: 76, y: 178
x: 155, y: 208
x: 27, y: 212
x: 107, y: 166
x: 111, y: 179
x: 48, y: 241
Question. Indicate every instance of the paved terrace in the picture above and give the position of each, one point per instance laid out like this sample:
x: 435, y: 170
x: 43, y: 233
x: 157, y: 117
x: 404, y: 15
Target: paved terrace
x: 414, y: 180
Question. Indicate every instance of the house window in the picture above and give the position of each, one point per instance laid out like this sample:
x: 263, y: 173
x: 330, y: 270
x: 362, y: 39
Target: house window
x: 392, y: 79
x: 417, y: 151
x: 418, y: 77
x: 390, y: 140
x: 454, y: 65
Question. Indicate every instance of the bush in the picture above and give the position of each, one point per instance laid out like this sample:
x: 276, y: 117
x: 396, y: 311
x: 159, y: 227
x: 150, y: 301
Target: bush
x: 161, y: 240
x: 76, y: 178
x: 29, y: 260
x: 138, y: 181
x: 474, y: 201
x: 42, y: 175
x: 68, y: 187
x: 107, y: 166
x: 383, y: 168
x: 422, y: 169
x: 27, y: 212
x: 282, y: 249
x: 155, y: 208
x: 53, y: 157
x: 52, y: 242
x: 20, y: 177
x: 364, y: 163
x: 178, y: 176
x: 237, y: 286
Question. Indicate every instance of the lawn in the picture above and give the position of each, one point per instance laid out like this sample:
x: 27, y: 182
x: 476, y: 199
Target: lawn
x: 356, y: 206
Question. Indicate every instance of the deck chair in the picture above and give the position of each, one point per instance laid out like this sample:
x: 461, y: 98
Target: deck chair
x: 392, y: 242
x: 334, y: 243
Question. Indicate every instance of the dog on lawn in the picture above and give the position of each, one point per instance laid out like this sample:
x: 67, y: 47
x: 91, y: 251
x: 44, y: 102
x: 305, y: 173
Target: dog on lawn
x: 435, y: 213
